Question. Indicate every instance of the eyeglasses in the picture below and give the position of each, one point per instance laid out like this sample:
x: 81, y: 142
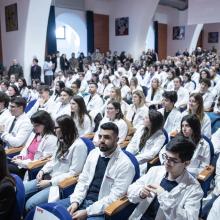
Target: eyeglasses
x: 56, y: 127
x: 170, y: 160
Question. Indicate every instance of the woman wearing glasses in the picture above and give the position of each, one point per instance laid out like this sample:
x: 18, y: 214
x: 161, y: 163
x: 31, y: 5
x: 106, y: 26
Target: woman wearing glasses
x: 41, y: 143
x: 114, y: 114
x: 67, y: 161
x: 191, y: 129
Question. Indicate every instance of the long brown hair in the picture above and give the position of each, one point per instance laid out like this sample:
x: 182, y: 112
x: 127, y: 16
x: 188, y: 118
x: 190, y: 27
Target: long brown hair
x: 200, y: 110
x: 156, y: 120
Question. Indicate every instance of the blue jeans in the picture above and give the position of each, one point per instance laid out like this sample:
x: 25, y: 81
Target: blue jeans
x: 34, y: 195
x: 84, y: 205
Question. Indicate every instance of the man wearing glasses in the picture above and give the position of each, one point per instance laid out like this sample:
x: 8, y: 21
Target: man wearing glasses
x: 168, y: 191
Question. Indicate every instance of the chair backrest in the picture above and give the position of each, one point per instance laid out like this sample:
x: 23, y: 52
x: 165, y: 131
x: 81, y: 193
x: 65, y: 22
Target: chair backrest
x: 166, y: 137
x: 89, y: 144
x: 30, y: 105
x: 211, y: 147
x: 135, y: 163
x: 57, y: 210
x: 194, y: 83
x: 20, y: 198
x: 215, y: 125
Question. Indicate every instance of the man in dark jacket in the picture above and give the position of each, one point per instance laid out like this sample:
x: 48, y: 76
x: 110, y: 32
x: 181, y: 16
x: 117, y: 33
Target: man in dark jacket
x: 35, y: 70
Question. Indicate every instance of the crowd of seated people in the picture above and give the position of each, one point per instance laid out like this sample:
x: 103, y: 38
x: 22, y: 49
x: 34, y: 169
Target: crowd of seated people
x: 121, y: 104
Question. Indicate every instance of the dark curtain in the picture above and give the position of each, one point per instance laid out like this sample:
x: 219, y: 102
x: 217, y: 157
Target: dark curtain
x: 90, y: 30
x: 51, y: 36
x: 156, y: 36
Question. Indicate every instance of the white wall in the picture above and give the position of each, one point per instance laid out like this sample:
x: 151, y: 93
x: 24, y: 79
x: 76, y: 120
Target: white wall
x: 203, y: 11
x: 13, y: 42
x: 214, y: 27
x: 30, y: 38
x: 140, y: 15
x: 76, y: 20
x: 173, y: 17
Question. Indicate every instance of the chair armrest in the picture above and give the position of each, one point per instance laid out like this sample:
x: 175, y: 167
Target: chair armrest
x: 13, y: 150
x: 68, y: 182
x: 124, y: 144
x: 206, y: 173
x: 154, y: 161
x: 37, y: 163
x: 117, y: 206
x: 89, y: 135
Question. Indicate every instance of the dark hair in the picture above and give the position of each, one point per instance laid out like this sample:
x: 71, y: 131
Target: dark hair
x: 69, y: 134
x: 5, y: 82
x: 188, y: 77
x: 61, y: 85
x: 17, y: 93
x: 42, y: 117
x: 93, y: 83
x: 4, y: 98
x: 207, y: 73
x: 36, y: 60
x: 171, y: 95
x: 195, y: 125
x: 117, y: 106
x: 156, y: 120
x: 19, y: 101
x: 107, y: 77
x: 4, y: 173
x: 24, y: 82
x: 44, y: 88
x: 110, y: 126
x: 77, y: 83
x: 126, y: 80
x: 67, y: 91
x: 206, y: 81
x: 182, y: 146
x: 82, y: 109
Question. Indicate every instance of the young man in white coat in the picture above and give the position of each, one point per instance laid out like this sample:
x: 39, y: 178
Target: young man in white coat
x: 18, y: 127
x: 106, y: 176
x: 93, y: 101
x: 172, y: 115
x: 168, y: 192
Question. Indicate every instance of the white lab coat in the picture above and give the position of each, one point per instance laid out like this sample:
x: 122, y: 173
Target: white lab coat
x: 86, y: 127
x: 201, y: 157
x: 59, y: 109
x: 190, y: 86
x: 122, y: 128
x: 5, y: 116
x: 71, y: 165
x: 48, y: 107
x: 140, y: 114
x: 47, y: 146
x: 173, y: 120
x: 216, y: 190
x: 183, y: 97
x: 214, y: 213
x: 20, y: 133
x: 157, y: 99
x: 95, y: 103
x: 149, y: 151
x: 105, y: 90
x: 118, y: 176
x: 125, y: 90
x: 208, y: 99
x: 181, y: 203
x: 216, y: 141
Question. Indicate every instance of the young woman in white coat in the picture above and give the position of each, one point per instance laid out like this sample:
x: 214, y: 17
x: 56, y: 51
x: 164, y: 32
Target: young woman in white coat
x: 148, y: 139
x: 196, y: 107
x: 114, y: 114
x: 154, y: 95
x: 80, y: 115
x: 191, y: 128
x: 41, y: 143
x: 67, y: 161
x: 115, y: 95
x: 138, y: 110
